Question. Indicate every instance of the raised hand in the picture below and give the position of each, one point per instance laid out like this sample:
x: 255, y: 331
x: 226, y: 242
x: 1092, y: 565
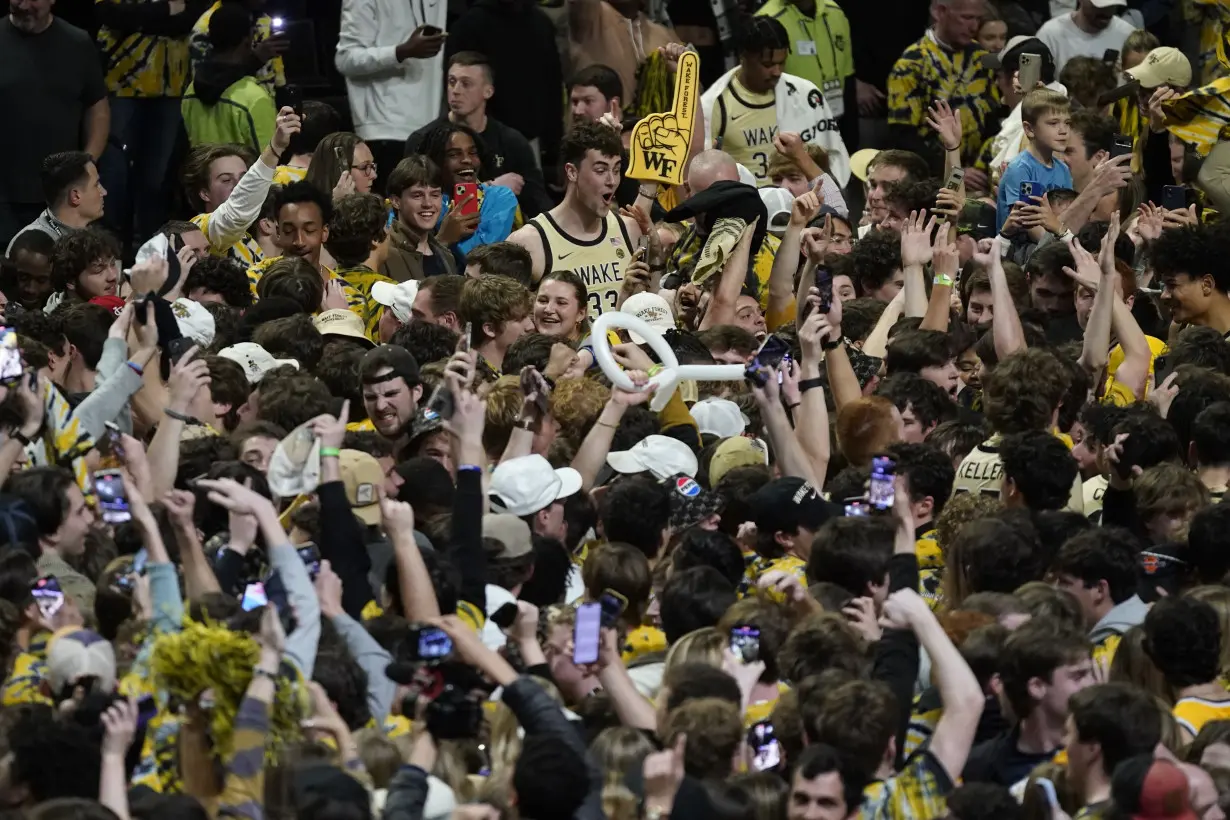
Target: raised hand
x: 916, y: 239
x: 946, y: 124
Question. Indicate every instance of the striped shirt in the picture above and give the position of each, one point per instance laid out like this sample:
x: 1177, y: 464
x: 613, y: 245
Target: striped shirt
x: 143, y: 65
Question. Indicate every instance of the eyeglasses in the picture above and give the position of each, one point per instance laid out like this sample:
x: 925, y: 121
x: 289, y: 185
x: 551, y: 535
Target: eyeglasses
x: 367, y: 168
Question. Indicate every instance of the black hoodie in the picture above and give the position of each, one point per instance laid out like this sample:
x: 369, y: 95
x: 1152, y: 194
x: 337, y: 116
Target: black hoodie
x: 519, y: 40
x: 214, y: 77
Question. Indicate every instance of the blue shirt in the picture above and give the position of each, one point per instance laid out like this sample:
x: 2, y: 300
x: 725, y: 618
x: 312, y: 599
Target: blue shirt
x: 1024, y: 167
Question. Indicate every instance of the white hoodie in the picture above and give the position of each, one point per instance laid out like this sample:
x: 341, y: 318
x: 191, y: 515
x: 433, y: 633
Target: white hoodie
x: 389, y: 100
x: 800, y: 108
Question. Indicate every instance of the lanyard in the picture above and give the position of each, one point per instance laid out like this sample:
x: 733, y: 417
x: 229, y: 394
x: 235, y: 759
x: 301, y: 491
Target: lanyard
x: 828, y: 33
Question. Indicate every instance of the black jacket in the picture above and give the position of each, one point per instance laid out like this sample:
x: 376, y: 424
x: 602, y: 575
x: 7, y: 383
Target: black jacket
x: 509, y: 152
x: 519, y: 40
x: 214, y: 77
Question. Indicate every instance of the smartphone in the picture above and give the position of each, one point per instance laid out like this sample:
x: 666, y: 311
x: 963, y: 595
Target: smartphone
x: 292, y: 96
x: 310, y: 555
x: 642, y: 248
x: 824, y: 284
x: 1122, y: 145
x: 139, y: 561
x: 431, y: 31
x: 505, y: 616
x: 745, y: 642
x: 176, y: 348
x: 11, y: 366
x: 147, y: 708
x: 586, y: 635
x: 1174, y: 197
x: 1126, y: 91
x: 110, y: 447
x: 771, y: 351
x: 112, y: 499
x: 1048, y: 790
x: 48, y: 595
x: 1110, y: 55
x: 441, y: 403
x: 766, y: 751
x: 463, y: 344
x: 1030, y: 72
x: 857, y: 507
x: 144, y: 306
x: 277, y: 25
x: 882, y: 492
x: 431, y: 644
x: 613, y: 605
x: 465, y: 194
x: 254, y: 597
x: 1028, y: 192
x: 955, y: 179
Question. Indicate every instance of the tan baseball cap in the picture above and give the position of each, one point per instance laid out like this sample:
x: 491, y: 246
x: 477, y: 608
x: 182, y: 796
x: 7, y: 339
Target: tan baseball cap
x: 341, y: 322
x: 1163, y: 66
x: 362, y: 478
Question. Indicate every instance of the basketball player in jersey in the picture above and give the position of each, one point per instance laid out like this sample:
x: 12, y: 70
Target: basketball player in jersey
x: 754, y: 101
x: 585, y: 233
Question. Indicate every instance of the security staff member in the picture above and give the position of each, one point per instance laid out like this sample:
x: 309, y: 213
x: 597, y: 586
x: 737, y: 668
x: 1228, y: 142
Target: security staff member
x: 821, y: 51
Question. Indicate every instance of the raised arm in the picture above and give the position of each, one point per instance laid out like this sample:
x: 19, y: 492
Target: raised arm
x: 231, y: 220
x: 812, y: 429
x: 734, y: 273
x: 786, y: 260
x: 945, y: 264
x: 1009, y: 337
x: 915, y: 255
x: 188, y: 376
x: 199, y: 578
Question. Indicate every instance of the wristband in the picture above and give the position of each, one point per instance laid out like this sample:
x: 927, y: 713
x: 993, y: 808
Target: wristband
x: 136, y: 368
x: 942, y: 279
x: 258, y: 672
x: 469, y: 468
x: 178, y: 416
x: 655, y: 370
x: 833, y: 345
x: 808, y: 384
x: 330, y: 452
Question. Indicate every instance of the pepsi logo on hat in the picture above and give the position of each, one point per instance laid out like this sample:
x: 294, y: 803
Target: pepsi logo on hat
x: 686, y: 487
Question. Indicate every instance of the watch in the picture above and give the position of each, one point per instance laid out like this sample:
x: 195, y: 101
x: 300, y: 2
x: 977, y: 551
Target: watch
x: 833, y: 345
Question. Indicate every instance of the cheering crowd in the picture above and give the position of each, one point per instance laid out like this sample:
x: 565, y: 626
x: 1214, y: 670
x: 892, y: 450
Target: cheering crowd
x: 325, y: 498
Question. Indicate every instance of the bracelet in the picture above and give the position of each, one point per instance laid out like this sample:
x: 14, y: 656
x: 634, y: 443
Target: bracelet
x: 259, y: 672
x: 651, y: 193
x: 178, y: 416
x: 808, y: 384
x: 942, y: 279
x: 136, y: 368
x: 653, y: 371
x: 792, y: 406
x: 522, y: 424
x: 949, y: 150
x: 833, y: 345
x: 330, y: 452
x: 602, y: 423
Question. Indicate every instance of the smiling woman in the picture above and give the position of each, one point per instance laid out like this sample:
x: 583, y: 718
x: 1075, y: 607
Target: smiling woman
x: 560, y: 309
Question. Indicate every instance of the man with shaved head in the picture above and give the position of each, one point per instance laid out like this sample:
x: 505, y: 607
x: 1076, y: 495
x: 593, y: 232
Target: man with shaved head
x: 709, y: 167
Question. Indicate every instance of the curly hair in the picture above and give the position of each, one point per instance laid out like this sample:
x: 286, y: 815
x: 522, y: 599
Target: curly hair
x: 1195, y: 251
x: 435, y: 147
x: 822, y: 641
x: 876, y: 259
x: 359, y: 222
x: 292, y: 400
x: 76, y: 251
x: 1183, y: 638
x: 1040, y: 466
x: 293, y: 278
x: 427, y: 341
x: 589, y: 136
x: 1024, y: 390
x: 576, y: 405
x: 223, y: 276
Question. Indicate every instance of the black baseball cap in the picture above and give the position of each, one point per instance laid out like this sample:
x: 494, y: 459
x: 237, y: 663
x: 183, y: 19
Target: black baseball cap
x: 786, y: 504
x: 397, y: 358
x: 1009, y: 57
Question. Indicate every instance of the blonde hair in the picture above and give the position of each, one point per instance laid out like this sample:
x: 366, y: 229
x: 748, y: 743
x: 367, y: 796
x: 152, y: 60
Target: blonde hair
x: 1168, y: 489
x: 576, y: 405
x: 704, y: 645
x: 381, y: 757
x: 617, y: 748
x: 1042, y: 101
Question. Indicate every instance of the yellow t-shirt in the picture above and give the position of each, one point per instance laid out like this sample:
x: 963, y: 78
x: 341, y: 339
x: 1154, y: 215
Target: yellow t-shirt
x: 1193, y: 713
x: 245, y: 250
x: 763, y: 709
x: 747, y: 123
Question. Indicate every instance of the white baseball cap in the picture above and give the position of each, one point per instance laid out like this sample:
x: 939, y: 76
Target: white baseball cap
x: 255, y: 360
x: 1102, y: 4
x: 746, y: 176
x: 525, y: 485
x: 777, y: 202
x: 194, y: 321
x: 721, y: 417
x: 661, y: 455
x: 651, y: 309
x: 399, y: 297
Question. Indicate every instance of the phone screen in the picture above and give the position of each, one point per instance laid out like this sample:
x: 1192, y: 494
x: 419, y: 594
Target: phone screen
x: 745, y: 642
x: 824, y: 284
x: 771, y: 352
x: 254, y: 597
x: 112, y: 501
x: 311, y: 559
x: 48, y: 595
x: 11, y: 366
x: 767, y: 752
x: 612, y: 604
x: 586, y: 636
x: 882, y: 493
x: 434, y: 644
